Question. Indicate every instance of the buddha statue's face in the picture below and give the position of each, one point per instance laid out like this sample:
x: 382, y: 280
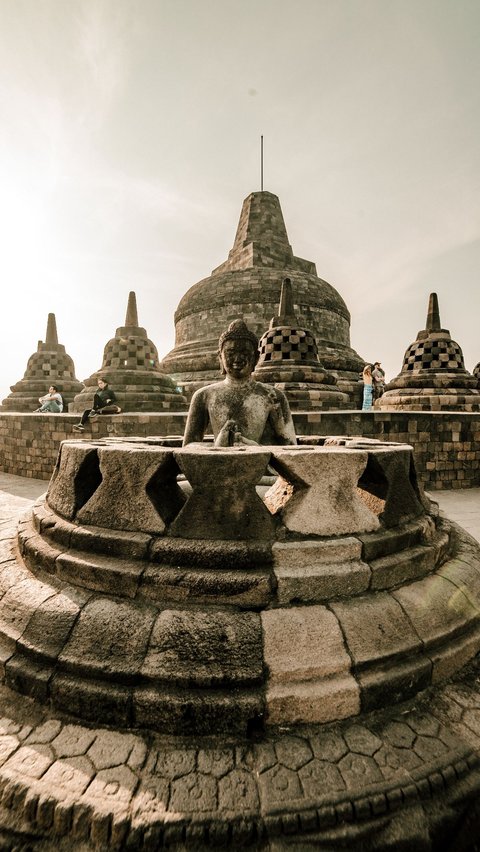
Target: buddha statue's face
x: 238, y: 358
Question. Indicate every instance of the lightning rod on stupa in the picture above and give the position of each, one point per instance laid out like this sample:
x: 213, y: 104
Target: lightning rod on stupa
x: 261, y: 163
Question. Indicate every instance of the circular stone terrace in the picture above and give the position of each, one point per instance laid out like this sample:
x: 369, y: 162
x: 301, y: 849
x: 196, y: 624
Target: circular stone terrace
x: 194, y: 658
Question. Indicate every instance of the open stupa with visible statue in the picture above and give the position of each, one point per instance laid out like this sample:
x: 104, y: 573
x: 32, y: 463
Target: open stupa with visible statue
x: 192, y: 660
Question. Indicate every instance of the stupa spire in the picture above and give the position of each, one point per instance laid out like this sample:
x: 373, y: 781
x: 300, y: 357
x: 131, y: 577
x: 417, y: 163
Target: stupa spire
x: 131, y: 317
x: 51, y: 338
x: 433, y: 315
x: 285, y: 308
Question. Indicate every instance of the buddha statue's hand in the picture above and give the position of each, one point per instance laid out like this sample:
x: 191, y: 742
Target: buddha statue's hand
x: 238, y: 439
x: 275, y: 404
x: 226, y: 436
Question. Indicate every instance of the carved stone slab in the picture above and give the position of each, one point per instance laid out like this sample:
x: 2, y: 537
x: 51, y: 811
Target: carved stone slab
x: 324, y: 500
x: 138, y: 490
x: 224, y: 503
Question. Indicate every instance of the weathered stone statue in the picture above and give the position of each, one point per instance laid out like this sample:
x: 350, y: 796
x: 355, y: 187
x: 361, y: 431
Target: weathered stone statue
x: 239, y: 409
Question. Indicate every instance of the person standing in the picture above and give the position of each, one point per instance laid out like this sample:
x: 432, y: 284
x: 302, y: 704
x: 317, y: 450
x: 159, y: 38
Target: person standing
x: 52, y: 401
x: 367, y: 404
x: 378, y: 376
x: 103, y: 403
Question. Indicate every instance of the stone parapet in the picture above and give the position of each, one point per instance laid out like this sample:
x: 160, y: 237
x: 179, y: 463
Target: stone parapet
x: 446, y: 444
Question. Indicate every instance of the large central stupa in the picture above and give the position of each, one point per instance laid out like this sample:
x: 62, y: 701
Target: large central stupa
x: 248, y: 285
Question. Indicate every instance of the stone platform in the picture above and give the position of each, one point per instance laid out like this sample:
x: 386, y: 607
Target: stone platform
x: 403, y: 776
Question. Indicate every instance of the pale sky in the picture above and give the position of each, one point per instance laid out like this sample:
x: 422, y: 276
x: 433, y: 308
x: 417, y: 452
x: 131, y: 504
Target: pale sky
x: 130, y: 135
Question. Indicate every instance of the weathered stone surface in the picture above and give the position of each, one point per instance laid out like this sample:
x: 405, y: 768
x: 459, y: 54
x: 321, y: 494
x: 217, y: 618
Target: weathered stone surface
x: 322, y: 582
x: 95, y: 701
x: 146, y: 492
x: 391, y: 682
x: 205, y: 649
x: 375, y: 628
x: 313, y: 701
x: 410, y: 564
x: 19, y: 603
x: 304, y: 553
x: 110, y: 636
x: 309, y: 668
x: 223, y: 482
x: 386, y: 542
x: 198, y: 712
x: 392, y: 477
x: 324, y: 500
x: 50, y: 625
x: 211, y: 554
x: 437, y: 609
x: 160, y: 584
x: 75, y: 478
x: 133, y: 545
x: 92, y: 571
x: 303, y: 643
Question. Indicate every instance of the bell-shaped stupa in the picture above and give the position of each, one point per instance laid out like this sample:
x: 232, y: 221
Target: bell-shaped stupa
x: 131, y: 366
x: 49, y: 365
x: 433, y: 375
x: 246, y: 285
x: 289, y: 360
x: 476, y: 373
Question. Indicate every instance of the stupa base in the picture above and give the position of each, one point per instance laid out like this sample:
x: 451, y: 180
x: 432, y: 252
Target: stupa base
x: 403, y: 779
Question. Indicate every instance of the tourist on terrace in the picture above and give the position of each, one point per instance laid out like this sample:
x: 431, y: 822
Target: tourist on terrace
x: 52, y: 401
x: 378, y: 376
x: 367, y: 404
x: 103, y: 403
x: 239, y: 409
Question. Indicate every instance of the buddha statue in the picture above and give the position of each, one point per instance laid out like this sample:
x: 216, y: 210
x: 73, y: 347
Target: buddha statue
x: 239, y: 409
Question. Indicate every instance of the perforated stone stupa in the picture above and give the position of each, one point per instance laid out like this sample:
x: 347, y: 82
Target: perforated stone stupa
x: 476, y: 373
x: 433, y: 375
x: 49, y: 365
x: 289, y: 360
x: 247, y: 285
x: 131, y: 366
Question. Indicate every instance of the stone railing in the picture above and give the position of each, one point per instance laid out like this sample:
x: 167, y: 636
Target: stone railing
x: 446, y: 445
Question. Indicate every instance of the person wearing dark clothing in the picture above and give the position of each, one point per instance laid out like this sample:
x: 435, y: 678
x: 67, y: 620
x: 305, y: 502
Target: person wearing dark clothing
x: 103, y: 403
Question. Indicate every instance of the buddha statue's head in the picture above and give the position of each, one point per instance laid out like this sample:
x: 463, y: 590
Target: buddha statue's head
x: 238, y: 350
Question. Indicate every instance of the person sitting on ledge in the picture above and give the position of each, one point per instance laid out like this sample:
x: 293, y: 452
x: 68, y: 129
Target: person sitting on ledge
x: 52, y: 401
x: 103, y: 403
x: 239, y: 409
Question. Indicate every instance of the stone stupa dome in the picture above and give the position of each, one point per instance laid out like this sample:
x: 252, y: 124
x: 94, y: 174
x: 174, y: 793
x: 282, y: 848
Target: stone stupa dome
x: 289, y: 360
x: 476, y: 373
x: 247, y: 285
x: 433, y: 375
x: 131, y: 366
x: 49, y: 365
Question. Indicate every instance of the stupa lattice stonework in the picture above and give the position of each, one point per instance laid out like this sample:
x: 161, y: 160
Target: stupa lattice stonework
x: 247, y: 285
x: 433, y: 375
x: 289, y: 360
x: 131, y: 366
x: 49, y: 365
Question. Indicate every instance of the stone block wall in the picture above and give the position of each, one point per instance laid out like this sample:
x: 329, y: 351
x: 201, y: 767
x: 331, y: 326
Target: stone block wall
x: 446, y: 445
x: 29, y: 442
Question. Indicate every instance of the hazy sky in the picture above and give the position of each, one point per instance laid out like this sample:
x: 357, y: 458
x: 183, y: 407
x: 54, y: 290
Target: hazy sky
x: 130, y: 135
